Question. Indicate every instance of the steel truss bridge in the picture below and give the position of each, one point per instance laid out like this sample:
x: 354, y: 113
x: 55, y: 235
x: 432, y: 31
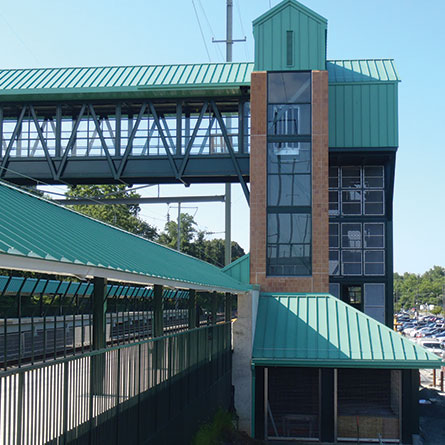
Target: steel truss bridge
x: 156, y: 141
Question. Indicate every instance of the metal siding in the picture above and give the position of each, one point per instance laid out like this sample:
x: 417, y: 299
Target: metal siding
x: 363, y: 115
x: 270, y: 39
x: 320, y: 330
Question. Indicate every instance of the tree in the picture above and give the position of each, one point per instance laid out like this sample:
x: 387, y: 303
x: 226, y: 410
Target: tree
x: 193, y: 242
x: 119, y: 215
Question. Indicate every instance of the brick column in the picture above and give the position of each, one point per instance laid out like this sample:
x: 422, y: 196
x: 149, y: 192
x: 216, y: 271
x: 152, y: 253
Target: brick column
x: 319, y: 281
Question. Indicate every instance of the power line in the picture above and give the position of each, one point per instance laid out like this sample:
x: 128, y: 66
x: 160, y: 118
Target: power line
x: 242, y: 27
x: 211, y: 29
x: 200, y: 28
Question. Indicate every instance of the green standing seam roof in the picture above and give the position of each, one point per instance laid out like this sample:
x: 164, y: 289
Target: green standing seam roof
x: 164, y: 78
x: 362, y: 71
x: 239, y: 269
x: 322, y: 331
x: 124, y: 79
x: 33, y: 229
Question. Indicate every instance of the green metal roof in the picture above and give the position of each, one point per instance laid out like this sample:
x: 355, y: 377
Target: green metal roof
x: 149, y: 80
x: 320, y: 330
x: 34, y: 286
x: 376, y: 70
x: 126, y: 81
x: 239, y: 269
x: 38, y: 235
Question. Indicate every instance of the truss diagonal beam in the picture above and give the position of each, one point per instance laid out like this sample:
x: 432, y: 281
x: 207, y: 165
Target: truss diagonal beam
x: 70, y: 143
x: 103, y: 142
x: 231, y: 151
x: 192, y: 139
x: 42, y: 141
x: 164, y: 142
x: 131, y: 139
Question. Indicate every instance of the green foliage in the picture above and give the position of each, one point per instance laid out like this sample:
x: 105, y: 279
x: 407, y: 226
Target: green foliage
x: 217, y: 432
x: 411, y: 289
x: 193, y: 242
x: 437, y: 310
x: 119, y: 215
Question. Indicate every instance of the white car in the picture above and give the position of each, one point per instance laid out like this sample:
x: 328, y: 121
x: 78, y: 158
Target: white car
x: 434, y: 346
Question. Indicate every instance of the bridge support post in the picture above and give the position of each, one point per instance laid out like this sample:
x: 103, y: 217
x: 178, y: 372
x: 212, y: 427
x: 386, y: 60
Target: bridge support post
x: 192, y: 309
x: 99, y: 304
x: 158, y: 311
x: 227, y: 307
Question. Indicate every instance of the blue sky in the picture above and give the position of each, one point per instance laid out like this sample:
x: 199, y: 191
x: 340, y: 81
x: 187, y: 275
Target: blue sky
x: 54, y: 33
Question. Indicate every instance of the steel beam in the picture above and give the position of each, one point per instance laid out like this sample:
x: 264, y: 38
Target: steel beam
x: 135, y: 201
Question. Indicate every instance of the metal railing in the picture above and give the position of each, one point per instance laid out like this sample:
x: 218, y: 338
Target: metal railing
x: 146, y: 392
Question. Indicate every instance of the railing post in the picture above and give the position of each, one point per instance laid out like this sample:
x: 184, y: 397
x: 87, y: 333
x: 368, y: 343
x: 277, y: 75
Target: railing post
x: 192, y: 309
x: 214, y: 306
x: 20, y: 404
x: 158, y: 315
x: 65, y: 401
x: 99, y: 296
x: 228, y: 307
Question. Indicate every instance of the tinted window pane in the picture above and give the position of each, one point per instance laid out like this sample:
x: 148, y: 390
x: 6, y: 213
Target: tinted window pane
x: 289, y: 120
x: 289, y: 190
x: 374, y: 294
x: 333, y: 203
x: 334, y: 289
x: 374, y: 262
x: 352, y: 202
x: 351, y: 177
x: 373, y: 204
x: 288, y: 228
x: 374, y: 235
x: 289, y: 88
x: 352, y: 262
x: 351, y: 236
x: 289, y: 158
x: 373, y: 177
x: 333, y: 235
x: 333, y: 177
x: 334, y: 262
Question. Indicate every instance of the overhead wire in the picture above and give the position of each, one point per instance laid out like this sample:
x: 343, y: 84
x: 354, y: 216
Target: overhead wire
x: 218, y: 48
x: 242, y: 28
x: 200, y: 28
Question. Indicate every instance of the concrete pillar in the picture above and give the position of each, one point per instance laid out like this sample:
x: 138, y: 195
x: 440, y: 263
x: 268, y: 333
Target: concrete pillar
x: 158, y: 311
x: 192, y: 309
x: 243, y: 334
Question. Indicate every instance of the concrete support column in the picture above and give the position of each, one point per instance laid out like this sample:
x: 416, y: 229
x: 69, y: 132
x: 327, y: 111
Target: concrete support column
x: 243, y: 333
x: 158, y: 311
x: 192, y: 309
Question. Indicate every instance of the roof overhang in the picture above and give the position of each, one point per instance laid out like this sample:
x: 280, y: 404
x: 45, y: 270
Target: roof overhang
x: 22, y: 263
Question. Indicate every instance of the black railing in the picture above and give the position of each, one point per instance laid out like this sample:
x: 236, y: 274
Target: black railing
x: 154, y: 391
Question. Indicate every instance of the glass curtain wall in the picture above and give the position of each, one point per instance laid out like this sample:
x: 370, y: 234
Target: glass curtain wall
x: 289, y: 160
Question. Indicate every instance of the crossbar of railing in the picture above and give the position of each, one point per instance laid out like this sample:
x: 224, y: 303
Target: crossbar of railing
x: 104, y: 396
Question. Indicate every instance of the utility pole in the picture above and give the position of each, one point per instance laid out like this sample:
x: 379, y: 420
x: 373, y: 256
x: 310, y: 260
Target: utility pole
x: 228, y: 205
x: 178, y: 246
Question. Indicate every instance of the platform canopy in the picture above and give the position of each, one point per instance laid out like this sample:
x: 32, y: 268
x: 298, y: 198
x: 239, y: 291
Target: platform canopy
x: 319, y: 330
x: 38, y: 235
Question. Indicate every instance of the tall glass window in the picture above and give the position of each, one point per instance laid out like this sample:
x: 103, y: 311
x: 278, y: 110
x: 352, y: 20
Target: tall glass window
x: 289, y: 179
